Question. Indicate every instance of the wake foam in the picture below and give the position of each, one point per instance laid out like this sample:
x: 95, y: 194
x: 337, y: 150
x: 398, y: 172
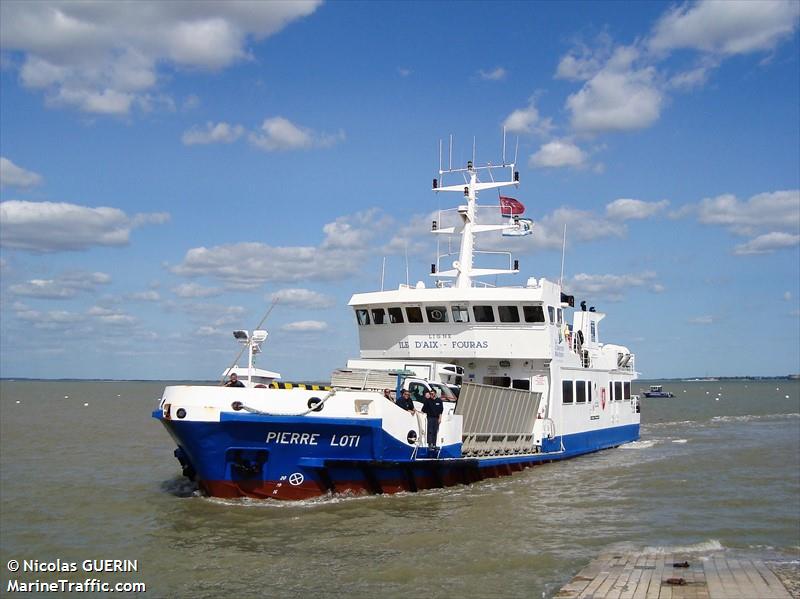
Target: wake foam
x: 751, y: 417
x: 707, y: 546
x: 639, y: 444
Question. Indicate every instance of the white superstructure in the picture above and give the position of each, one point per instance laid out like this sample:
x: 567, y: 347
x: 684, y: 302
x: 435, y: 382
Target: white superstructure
x: 513, y: 337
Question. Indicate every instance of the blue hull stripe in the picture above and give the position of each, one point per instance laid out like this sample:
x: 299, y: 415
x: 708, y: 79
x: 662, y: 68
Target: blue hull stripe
x: 246, y: 448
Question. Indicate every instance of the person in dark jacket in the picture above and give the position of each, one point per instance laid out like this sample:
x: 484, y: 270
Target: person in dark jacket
x: 405, y: 402
x: 432, y: 407
x: 234, y: 381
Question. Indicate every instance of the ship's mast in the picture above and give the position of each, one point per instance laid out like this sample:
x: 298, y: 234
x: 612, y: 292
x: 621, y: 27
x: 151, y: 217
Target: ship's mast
x: 463, y: 270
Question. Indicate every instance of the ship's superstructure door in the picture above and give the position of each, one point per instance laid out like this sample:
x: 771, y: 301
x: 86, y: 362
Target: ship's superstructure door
x: 497, y: 420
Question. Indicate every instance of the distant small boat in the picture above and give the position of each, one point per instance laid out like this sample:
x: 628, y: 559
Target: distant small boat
x: 657, y: 391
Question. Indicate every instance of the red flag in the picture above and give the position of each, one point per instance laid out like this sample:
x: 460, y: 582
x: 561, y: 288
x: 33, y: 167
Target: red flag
x: 510, y: 207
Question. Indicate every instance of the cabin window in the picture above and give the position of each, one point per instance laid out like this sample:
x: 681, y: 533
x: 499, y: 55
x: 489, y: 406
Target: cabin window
x: 508, y: 313
x: 417, y: 391
x: 460, y: 314
x: 617, y: 390
x: 580, y: 391
x: 551, y: 313
x: 497, y: 381
x: 395, y: 315
x: 363, y: 317
x: 627, y: 387
x: 436, y: 313
x: 589, y: 391
x: 566, y: 391
x: 483, y: 313
x: 378, y: 316
x: 593, y: 331
x: 533, y: 313
x: 523, y: 384
x: 560, y: 313
x: 414, y: 314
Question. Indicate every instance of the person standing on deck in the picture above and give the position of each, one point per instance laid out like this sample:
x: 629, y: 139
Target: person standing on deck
x: 234, y: 381
x: 432, y: 407
x: 405, y: 401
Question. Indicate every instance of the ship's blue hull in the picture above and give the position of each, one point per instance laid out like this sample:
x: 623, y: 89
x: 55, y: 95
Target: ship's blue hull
x: 249, y: 455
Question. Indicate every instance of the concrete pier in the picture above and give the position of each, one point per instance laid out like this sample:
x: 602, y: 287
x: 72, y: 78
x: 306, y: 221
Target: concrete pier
x: 673, y: 576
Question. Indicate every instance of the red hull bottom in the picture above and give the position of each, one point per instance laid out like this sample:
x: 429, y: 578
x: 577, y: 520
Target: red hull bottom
x: 308, y: 489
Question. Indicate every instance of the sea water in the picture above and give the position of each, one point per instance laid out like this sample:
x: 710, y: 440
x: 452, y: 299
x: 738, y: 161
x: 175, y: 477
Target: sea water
x: 87, y: 474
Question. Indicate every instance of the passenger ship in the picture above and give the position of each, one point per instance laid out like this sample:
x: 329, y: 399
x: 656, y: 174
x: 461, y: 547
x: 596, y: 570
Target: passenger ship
x: 531, y: 388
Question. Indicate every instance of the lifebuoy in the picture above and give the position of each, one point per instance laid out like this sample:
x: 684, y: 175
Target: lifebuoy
x: 603, y: 398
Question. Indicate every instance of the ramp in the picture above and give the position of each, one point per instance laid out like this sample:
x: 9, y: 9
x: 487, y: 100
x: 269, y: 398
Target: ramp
x: 496, y: 420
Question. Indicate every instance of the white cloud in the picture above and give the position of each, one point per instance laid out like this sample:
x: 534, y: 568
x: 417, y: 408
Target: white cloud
x: 611, y: 287
x: 16, y: 176
x: 304, y: 298
x: 619, y: 97
x: 212, y: 133
x: 145, y: 296
x: 49, y: 320
x: 767, y: 243
x: 305, y: 326
x: 787, y: 296
x: 404, y: 72
x: 248, y: 265
x: 102, y: 57
x: 630, y: 209
x: 195, y: 290
x: 115, y: 318
x: 558, y: 153
x: 278, y: 133
x: 548, y: 231
x: 778, y: 209
x: 582, y: 225
x: 582, y: 62
x: 65, y: 286
x: 706, y: 319
x: 58, y: 226
x: 771, y: 219
x: 496, y: 74
x: 527, y: 120
x: 695, y: 77
x: 726, y: 28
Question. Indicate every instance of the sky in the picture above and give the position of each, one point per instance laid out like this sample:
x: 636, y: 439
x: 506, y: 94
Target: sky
x: 170, y: 168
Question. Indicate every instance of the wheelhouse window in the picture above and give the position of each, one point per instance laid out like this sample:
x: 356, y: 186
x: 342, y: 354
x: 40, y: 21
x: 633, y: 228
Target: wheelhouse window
x: 533, y: 313
x: 460, y: 314
x: 523, y: 384
x: 627, y: 388
x: 566, y: 391
x: 483, y: 313
x: 497, y: 381
x: 508, y: 313
x: 436, y: 313
x: 396, y: 315
x: 443, y: 392
x: 580, y: 391
x: 560, y: 317
x: 593, y: 331
x: 414, y: 314
x: 617, y: 390
x: 378, y: 316
x: 363, y: 317
x: 551, y: 313
x: 417, y: 391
